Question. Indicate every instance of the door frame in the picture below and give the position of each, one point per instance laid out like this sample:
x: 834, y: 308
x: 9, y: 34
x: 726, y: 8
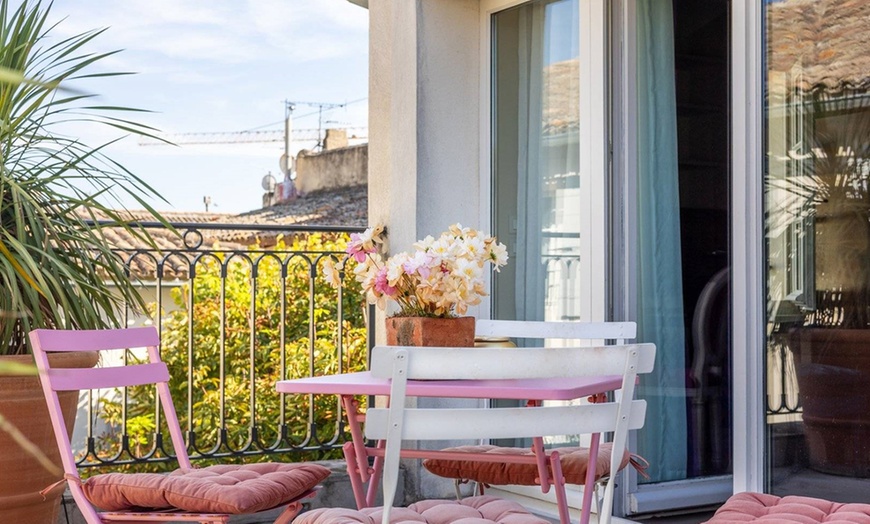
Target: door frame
x: 747, y: 239
x: 634, y: 498
x: 747, y: 226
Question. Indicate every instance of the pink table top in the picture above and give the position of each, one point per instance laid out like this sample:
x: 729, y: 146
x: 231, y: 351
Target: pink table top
x: 363, y: 383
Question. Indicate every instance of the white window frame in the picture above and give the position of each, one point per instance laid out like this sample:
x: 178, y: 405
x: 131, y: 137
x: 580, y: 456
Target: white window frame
x: 747, y: 241
x: 594, y: 144
x: 634, y: 498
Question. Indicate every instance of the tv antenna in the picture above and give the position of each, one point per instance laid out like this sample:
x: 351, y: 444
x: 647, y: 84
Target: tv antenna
x: 290, y: 105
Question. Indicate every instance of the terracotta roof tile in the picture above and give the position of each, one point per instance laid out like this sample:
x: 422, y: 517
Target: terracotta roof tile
x: 826, y: 41
x: 347, y: 206
x: 337, y: 207
x: 561, y: 105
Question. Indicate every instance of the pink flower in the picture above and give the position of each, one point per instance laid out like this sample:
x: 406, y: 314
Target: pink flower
x: 419, y: 263
x: 356, y: 248
x: 382, y: 285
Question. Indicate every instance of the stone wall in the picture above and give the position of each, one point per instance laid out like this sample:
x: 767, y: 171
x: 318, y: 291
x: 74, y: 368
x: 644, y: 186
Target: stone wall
x: 330, y: 169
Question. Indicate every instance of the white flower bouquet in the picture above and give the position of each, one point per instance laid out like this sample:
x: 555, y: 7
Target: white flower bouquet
x: 441, y: 278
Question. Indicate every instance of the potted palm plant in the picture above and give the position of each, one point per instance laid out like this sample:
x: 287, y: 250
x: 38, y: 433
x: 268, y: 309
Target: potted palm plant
x: 57, y: 270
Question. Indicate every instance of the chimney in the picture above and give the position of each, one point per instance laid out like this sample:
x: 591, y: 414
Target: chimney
x: 335, y: 139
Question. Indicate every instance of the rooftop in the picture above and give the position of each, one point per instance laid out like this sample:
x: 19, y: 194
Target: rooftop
x: 823, y: 43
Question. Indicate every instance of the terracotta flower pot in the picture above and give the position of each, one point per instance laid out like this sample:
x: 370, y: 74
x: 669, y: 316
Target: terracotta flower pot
x: 833, y: 370
x: 21, y: 476
x: 432, y: 332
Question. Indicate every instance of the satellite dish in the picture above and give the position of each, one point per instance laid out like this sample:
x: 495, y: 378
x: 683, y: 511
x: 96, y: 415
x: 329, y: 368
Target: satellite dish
x: 268, y: 183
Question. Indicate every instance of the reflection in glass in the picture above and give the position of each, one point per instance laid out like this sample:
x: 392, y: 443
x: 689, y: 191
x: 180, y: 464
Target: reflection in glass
x: 536, y: 156
x: 818, y: 242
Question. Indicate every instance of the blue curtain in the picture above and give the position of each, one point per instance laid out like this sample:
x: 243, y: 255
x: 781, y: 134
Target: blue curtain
x: 663, y: 439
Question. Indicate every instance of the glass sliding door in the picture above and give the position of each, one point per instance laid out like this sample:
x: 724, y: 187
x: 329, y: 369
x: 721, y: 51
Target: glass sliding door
x: 645, y: 241
x: 817, y: 213
x: 678, y: 283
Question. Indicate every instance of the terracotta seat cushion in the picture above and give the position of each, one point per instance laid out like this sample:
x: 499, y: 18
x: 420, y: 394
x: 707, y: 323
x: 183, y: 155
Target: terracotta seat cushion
x: 484, y: 509
x: 770, y: 509
x: 574, y: 462
x: 230, y: 488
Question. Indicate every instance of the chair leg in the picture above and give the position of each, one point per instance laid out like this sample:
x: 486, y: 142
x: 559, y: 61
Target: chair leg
x: 558, y: 482
x: 289, y: 513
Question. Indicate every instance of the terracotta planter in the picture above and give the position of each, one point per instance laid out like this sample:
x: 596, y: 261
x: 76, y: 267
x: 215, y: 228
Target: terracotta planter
x: 833, y: 371
x: 21, y: 476
x: 432, y: 332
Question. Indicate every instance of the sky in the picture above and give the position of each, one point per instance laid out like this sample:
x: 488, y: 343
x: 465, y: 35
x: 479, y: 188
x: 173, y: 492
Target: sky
x: 219, y: 66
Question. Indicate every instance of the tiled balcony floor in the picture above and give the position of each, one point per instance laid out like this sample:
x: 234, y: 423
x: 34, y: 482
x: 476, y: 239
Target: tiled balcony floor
x: 810, y: 483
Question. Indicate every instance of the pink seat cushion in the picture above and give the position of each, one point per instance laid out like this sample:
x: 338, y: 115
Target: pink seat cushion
x: 770, y: 509
x: 230, y: 488
x: 574, y: 462
x: 484, y: 509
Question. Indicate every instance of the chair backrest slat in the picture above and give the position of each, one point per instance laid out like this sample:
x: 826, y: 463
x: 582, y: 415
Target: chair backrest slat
x: 96, y: 339
x: 512, y: 363
x: 112, y: 377
x: 566, y: 330
x: 465, y: 424
x: 400, y: 422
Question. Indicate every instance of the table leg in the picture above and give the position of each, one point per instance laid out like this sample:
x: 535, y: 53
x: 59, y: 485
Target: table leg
x: 541, y: 456
x: 356, y: 482
x: 351, y: 407
x: 377, y: 469
x: 561, y: 495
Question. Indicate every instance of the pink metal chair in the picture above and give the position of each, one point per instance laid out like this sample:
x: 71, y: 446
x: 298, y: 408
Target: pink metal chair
x: 207, y: 495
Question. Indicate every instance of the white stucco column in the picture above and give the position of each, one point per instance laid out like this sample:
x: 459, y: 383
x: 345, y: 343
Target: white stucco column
x: 424, y: 132
x: 424, y: 112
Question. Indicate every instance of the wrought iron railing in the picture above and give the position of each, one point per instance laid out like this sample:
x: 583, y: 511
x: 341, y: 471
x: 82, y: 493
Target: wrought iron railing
x: 782, y: 388
x: 233, y: 319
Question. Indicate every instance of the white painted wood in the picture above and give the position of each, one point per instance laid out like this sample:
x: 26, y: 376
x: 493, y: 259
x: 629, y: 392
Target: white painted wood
x: 432, y: 363
x: 473, y: 423
x: 565, y: 330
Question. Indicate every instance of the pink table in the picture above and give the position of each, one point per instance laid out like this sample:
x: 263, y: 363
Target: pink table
x: 348, y: 385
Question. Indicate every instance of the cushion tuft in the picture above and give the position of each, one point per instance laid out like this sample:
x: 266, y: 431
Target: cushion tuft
x: 770, y: 509
x: 484, y: 509
x: 574, y: 462
x: 226, y: 488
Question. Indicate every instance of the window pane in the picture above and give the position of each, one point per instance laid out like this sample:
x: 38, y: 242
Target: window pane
x: 536, y: 157
x: 817, y: 189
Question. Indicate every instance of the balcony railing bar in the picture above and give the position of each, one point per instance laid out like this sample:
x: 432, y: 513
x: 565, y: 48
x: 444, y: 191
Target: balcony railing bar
x: 220, y: 226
